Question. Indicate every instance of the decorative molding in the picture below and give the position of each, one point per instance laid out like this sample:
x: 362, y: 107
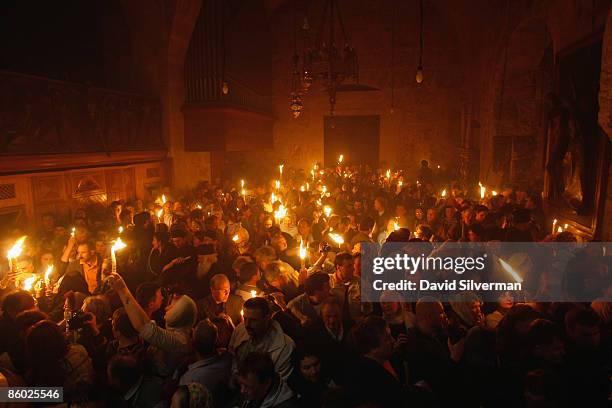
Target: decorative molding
x: 49, y: 162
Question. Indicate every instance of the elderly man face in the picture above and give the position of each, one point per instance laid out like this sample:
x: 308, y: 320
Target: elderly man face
x: 220, y: 290
x: 332, y: 317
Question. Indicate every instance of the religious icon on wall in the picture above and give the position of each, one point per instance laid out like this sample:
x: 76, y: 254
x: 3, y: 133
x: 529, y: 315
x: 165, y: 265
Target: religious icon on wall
x: 565, y: 162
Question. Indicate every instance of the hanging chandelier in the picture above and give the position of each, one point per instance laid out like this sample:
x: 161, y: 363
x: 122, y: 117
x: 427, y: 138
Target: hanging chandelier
x: 325, y: 61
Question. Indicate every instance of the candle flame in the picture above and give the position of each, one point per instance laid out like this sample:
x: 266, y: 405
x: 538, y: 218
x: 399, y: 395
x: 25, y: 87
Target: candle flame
x: 483, y: 190
x: 159, y: 213
x: 400, y: 183
x: 253, y: 293
x: 395, y: 225
x: 559, y: 230
x: 72, y: 231
x: 119, y: 244
x: 235, y: 238
x: 281, y: 212
x: 319, y: 203
x: 48, y: 273
x: 241, y: 183
x: 163, y: 199
x: 280, y: 168
x: 302, y: 250
x: 340, y: 158
x: 327, y: 210
x: 307, y: 186
x: 324, y: 189
x: 277, y: 184
x: 565, y: 226
x: 302, y: 188
x: 29, y: 282
x: 198, y: 206
x: 517, y: 278
x: 438, y: 166
x: 120, y: 229
x: 16, y: 249
x: 443, y: 193
x: 337, y: 238
x: 388, y: 173
x: 273, y: 198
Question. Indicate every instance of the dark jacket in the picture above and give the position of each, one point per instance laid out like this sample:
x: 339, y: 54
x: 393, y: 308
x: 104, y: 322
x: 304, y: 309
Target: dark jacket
x: 207, y: 308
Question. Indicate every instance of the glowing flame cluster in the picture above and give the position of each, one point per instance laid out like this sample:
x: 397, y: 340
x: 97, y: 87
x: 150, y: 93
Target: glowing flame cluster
x: 118, y: 245
x: 48, y: 273
x: 16, y: 249
x: 281, y: 212
x: 28, y: 283
x: 302, y: 250
x: 337, y: 238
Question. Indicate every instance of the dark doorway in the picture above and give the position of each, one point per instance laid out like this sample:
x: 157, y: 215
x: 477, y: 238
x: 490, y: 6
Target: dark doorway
x: 355, y: 137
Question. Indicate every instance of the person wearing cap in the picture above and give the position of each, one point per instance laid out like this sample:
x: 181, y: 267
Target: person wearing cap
x: 169, y: 346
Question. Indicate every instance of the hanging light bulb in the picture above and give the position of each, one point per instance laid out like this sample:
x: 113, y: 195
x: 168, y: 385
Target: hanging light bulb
x: 419, y: 75
x: 419, y: 72
x: 225, y: 87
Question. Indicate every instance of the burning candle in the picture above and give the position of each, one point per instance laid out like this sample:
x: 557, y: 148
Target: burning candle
x: 312, y: 172
x: 280, y: 169
x: 163, y: 199
x: 395, y: 224
x: 337, y: 239
x: 29, y: 283
x: 340, y: 159
x: 277, y: 184
x: 554, y: 224
x: 280, y: 213
x: 302, y: 254
x: 482, y: 190
x: 235, y: 238
x: 517, y: 278
x: 48, y: 274
x: 160, y: 212
x: 253, y: 293
x: 327, y: 210
x: 559, y: 230
x: 307, y: 186
x: 120, y: 229
x: 272, y: 198
x: 14, y: 252
x: 388, y: 174
x: 72, y: 232
x: 493, y: 193
x: 118, y: 245
x: 443, y: 193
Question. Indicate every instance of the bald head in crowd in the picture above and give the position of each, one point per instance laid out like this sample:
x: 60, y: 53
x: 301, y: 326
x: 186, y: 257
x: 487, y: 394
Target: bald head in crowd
x: 430, y: 315
x: 220, y: 288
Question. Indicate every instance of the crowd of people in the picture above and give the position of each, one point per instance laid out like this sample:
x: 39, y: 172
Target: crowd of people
x: 234, y: 297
